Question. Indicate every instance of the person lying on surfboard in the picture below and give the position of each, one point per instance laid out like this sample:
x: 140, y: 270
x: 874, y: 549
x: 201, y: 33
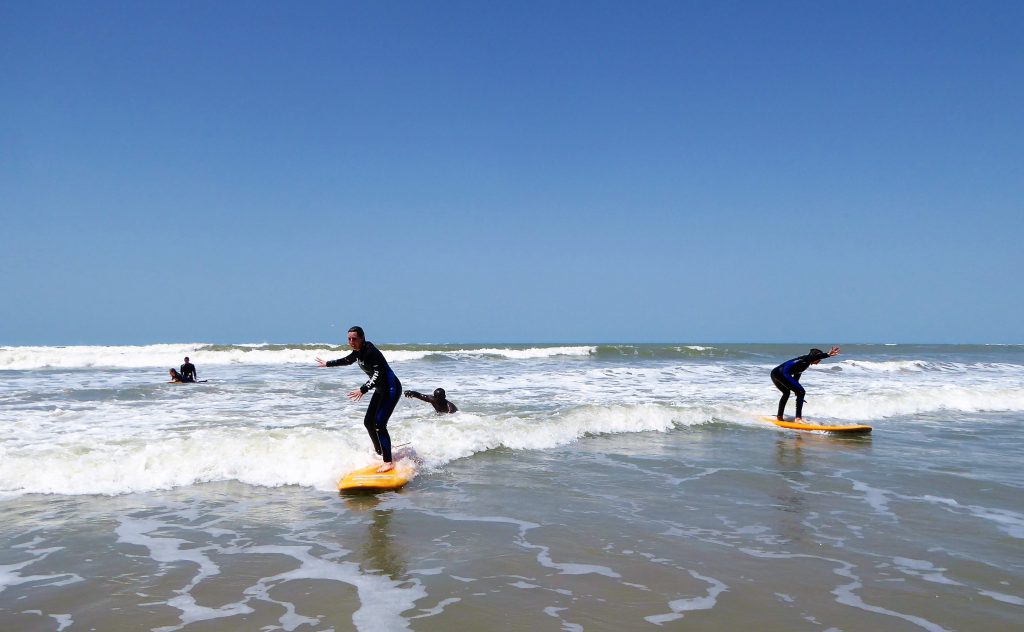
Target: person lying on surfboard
x: 786, y: 378
x: 385, y: 397
x: 175, y: 377
x: 438, y: 401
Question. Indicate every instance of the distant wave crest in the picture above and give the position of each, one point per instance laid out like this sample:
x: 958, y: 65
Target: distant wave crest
x: 171, y: 355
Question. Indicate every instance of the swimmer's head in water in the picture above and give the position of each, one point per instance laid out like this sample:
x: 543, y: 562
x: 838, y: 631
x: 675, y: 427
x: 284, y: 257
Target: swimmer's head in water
x: 439, y: 393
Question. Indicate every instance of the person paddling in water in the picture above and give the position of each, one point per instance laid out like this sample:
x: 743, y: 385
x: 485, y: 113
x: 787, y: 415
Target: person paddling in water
x: 786, y: 378
x: 439, y: 401
x: 383, y: 381
x: 175, y: 377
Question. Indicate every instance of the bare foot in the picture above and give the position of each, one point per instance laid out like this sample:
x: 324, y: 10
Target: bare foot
x: 798, y: 420
x: 387, y: 467
x: 779, y: 418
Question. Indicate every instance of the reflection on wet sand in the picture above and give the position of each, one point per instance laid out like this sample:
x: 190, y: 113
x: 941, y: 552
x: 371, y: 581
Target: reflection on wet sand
x: 380, y: 553
x: 795, y: 455
x: 790, y: 498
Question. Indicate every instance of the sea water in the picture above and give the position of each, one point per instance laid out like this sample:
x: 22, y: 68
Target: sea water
x: 597, y: 487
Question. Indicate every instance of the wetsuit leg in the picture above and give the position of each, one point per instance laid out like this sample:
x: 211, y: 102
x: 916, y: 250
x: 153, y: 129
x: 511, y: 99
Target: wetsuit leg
x: 385, y: 398
x: 785, y: 383
x: 371, y: 415
x: 800, y: 392
x: 780, y: 383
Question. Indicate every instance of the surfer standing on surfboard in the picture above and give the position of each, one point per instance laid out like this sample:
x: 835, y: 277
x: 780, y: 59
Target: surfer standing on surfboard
x: 385, y: 397
x: 786, y: 378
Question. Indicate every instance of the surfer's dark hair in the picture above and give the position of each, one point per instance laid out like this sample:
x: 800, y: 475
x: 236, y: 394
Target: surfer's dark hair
x: 359, y: 330
x: 813, y: 351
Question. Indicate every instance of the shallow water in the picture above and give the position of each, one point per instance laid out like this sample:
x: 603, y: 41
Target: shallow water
x: 602, y: 491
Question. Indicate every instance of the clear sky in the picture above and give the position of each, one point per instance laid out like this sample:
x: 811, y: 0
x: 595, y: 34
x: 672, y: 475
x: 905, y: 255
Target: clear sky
x: 511, y: 171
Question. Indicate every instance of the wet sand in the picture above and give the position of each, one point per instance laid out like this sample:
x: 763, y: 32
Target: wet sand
x: 712, y: 528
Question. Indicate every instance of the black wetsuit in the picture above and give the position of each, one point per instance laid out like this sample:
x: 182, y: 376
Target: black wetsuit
x: 786, y: 378
x: 440, y: 405
x: 385, y: 397
x: 188, y: 372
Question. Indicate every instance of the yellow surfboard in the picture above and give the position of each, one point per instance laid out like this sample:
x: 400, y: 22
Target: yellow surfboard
x: 808, y: 425
x: 369, y: 479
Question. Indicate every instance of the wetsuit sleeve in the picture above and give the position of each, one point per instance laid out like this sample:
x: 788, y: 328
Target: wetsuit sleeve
x: 797, y: 366
x: 376, y: 363
x: 349, y: 359
x: 419, y: 396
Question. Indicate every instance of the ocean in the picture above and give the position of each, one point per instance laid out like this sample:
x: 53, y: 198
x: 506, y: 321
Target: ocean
x: 580, y: 487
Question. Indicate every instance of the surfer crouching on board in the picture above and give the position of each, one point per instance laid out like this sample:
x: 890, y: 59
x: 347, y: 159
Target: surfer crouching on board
x: 438, y: 400
x: 786, y: 378
x: 385, y: 397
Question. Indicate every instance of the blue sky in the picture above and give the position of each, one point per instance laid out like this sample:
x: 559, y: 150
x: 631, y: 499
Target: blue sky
x: 511, y: 171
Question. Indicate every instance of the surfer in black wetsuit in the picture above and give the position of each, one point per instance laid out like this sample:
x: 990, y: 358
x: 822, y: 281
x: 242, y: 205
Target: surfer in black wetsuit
x: 438, y: 401
x: 188, y: 371
x: 385, y: 397
x: 175, y: 377
x: 786, y: 378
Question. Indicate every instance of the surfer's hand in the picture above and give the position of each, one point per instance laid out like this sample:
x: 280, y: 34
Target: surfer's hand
x: 834, y: 351
x: 355, y: 395
x: 320, y: 363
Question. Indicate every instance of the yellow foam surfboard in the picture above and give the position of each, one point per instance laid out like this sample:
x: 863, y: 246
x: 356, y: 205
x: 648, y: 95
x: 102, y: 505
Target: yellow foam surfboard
x: 369, y: 479
x: 808, y: 425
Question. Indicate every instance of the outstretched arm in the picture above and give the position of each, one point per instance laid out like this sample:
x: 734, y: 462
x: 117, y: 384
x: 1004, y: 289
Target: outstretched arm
x: 419, y: 396
x: 349, y: 359
x: 834, y: 351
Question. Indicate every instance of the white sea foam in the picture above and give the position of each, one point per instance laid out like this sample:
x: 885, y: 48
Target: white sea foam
x: 889, y: 402
x: 29, y: 358
x: 134, y: 460
x: 1010, y: 599
x: 892, y: 366
x: 524, y: 354
x: 119, y: 430
x: 10, y: 574
x: 847, y: 595
x: 171, y: 355
x: 382, y: 599
x: 679, y: 606
x: 925, y: 570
